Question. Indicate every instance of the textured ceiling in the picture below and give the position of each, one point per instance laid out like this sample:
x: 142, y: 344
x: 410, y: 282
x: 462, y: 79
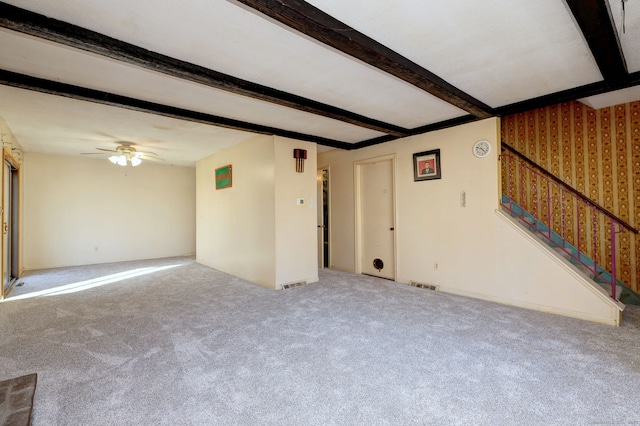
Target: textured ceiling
x: 502, y: 55
x: 486, y: 48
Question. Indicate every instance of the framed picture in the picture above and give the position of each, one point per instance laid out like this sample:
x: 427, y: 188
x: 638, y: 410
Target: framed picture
x: 223, y: 177
x: 426, y: 165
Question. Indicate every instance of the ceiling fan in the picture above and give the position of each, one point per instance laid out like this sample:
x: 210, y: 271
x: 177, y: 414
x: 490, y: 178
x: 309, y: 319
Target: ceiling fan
x: 125, y: 154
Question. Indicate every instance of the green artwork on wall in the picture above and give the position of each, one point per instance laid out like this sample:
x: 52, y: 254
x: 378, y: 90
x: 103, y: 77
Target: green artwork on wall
x: 223, y: 177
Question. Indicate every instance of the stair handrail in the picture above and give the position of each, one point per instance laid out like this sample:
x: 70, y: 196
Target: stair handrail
x: 569, y: 188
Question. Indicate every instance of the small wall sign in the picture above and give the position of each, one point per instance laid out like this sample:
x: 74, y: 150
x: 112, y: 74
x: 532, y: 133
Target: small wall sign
x: 223, y: 177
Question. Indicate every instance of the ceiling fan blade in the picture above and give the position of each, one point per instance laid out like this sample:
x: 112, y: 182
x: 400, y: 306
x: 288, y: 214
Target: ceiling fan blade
x: 147, y: 158
x: 107, y: 150
x: 93, y: 153
x: 152, y: 154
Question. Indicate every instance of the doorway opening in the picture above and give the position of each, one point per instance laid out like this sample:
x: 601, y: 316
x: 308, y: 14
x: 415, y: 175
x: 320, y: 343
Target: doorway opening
x: 323, y: 218
x: 10, y: 241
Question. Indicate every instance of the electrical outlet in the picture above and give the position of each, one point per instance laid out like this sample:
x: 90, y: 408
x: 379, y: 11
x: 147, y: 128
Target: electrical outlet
x: 436, y: 265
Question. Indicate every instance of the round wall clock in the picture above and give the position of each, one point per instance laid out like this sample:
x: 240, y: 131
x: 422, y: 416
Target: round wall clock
x: 482, y: 148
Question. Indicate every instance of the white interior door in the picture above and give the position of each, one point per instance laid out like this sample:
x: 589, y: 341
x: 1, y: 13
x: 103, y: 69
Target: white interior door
x: 377, y: 221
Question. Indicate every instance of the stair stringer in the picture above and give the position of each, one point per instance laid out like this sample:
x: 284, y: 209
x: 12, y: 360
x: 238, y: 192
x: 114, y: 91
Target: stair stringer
x: 547, y: 282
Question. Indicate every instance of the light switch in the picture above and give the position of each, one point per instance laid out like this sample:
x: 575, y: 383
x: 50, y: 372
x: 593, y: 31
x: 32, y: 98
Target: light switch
x: 300, y: 202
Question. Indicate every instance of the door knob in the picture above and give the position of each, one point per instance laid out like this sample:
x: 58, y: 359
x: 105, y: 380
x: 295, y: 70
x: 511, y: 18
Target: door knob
x: 6, y: 227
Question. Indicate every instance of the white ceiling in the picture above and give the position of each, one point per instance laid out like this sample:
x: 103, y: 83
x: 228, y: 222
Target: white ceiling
x: 498, y: 52
x: 486, y: 48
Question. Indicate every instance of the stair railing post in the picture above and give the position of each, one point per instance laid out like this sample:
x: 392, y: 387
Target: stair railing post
x: 613, y: 260
x: 535, y: 197
x: 512, y: 181
x: 578, y: 239
x: 594, y: 219
x: 549, y: 206
x: 523, y: 185
x: 562, y: 219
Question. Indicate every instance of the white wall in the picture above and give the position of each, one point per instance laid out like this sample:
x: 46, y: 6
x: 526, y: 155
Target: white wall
x: 296, y: 227
x: 254, y: 230
x: 83, y: 211
x: 478, y: 255
x: 236, y: 226
x: 533, y: 276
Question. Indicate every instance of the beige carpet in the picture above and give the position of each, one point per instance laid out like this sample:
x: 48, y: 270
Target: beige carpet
x: 171, y: 342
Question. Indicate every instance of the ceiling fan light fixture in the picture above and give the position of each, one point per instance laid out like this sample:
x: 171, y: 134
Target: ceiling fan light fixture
x: 125, y: 154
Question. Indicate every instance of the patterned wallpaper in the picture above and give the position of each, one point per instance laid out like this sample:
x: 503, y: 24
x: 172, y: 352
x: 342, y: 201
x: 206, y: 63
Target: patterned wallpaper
x: 596, y: 152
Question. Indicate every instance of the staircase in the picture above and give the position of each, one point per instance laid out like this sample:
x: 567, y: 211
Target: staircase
x: 578, y: 229
x: 566, y: 250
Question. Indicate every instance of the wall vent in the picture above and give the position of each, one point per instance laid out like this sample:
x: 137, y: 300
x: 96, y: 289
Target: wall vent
x: 424, y: 286
x: 292, y: 285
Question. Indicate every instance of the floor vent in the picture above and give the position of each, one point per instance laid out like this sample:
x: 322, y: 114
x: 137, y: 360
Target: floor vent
x: 422, y: 285
x: 292, y: 285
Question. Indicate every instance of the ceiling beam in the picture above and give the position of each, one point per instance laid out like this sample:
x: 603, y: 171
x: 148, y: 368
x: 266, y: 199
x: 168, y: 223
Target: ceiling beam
x: 598, y: 88
x: 317, y: 24
x: 40, y: 26
x: 23, y: 81
x: 596, y: 23
x: 418, y: 131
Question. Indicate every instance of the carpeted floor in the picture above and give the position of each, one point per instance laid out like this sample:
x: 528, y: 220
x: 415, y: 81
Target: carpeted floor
x: 172, y: 342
